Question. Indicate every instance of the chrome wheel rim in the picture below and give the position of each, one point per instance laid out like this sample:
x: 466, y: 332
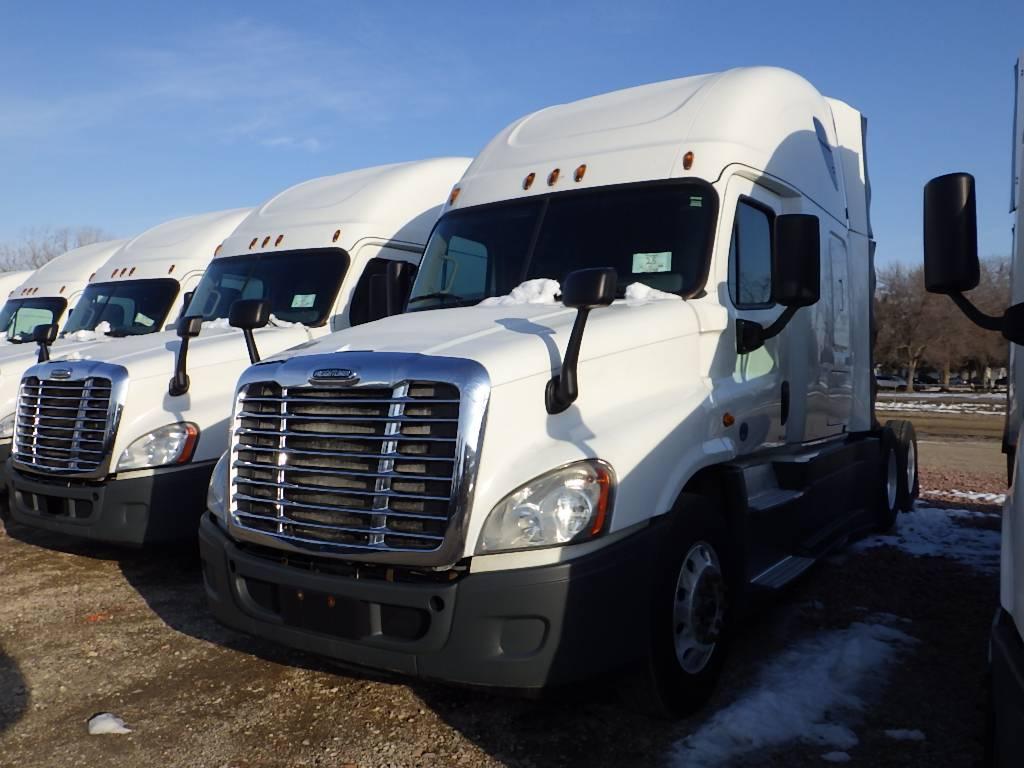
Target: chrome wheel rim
x: 892, y: 474
x: 911, y: 467
x: 699, y: 608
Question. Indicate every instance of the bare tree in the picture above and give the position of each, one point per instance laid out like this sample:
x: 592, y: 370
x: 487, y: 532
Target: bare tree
x: 37, y: 247
x: 907, y: 319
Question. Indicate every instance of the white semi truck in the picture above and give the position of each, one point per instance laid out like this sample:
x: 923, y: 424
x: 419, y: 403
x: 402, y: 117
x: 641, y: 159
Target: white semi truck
x: 138, y: 289
x: 312, y: 259
x: 9, y: 281
x: 502, y: 487
x: 952, y: 268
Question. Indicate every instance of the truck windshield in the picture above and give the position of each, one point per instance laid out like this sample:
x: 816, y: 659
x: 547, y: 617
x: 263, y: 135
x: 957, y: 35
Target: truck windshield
x: 300, y: 285
x: 656, y: 233
x: 130, y: 307
x: 19, y: 317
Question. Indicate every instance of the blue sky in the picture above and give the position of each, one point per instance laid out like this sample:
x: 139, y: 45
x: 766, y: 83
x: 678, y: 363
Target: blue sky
x: 122, y: 115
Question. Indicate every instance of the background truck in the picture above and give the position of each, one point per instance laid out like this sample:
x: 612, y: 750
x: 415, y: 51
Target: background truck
x: 8, y: 282
x: 138, y: 289
x: 502, y: 488
x: 308, y: 261
x: 952, y: 267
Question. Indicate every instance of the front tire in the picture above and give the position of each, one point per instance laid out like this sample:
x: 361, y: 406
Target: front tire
x: 906, y: 459
x: 887, y: 504
x: 691, y: 611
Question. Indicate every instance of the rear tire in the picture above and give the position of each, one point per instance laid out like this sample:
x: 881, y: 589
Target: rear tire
x: 887, y: 506
x: 691, y: 612
x: 908, y: 487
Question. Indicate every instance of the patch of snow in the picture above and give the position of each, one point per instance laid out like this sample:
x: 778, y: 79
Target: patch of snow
x: 279, y: 323
x: 639, y: 293
x: 991, y: 498
x: 984, y: 409
x: 798, y: 696
x: 836, y: 757
x: 539, y: 291
x: 927, y: 531
x: 105, y: 722
x: 220, y: 322
x: 901, y: 734
x: 99, y: 333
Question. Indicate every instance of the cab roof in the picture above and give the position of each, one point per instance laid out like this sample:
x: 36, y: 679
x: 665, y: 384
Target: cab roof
x: 67, y: 274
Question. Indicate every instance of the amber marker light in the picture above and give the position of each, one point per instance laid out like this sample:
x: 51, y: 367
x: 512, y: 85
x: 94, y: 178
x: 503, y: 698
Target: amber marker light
x: 216, y: 251
x: 171, y: 269
x: 553, y: 177
x: 604, y: 481
x: 265, y: 241
x: 688, y: 161
x: 528, y: 181
x: 454, y: 195
x: 337, y: 234
x: 192, y: 435
x: 252, y: 243
x: 91, y: 277
x: 580, y: 171
x: 131, y: 271
x: 62, y: 288
x: 728, y: 419
x: 278, y: 241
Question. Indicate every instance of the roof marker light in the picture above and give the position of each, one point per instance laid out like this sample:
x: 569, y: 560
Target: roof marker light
x: 578, y: 175
x: 454, y: 195
x: 62, y: 289
x: 169, y: 271
x: 123, y: 270
x: 216, y: 251
x: 265, y: 241
x: 688, y: 161
x: 252, y: 243
x: 91, y: 277
x: 131, y: 271
x: 337, y: 234
x: 528, y: 181
x: 278, y: 241
x: 553, y: 177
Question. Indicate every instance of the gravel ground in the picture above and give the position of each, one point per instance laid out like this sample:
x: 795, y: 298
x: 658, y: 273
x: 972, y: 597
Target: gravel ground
x: 85, y: 629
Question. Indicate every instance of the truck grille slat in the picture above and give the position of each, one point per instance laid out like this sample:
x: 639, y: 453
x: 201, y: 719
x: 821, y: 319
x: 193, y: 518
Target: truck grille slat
x: 63, y: 426
x: 367, y: 468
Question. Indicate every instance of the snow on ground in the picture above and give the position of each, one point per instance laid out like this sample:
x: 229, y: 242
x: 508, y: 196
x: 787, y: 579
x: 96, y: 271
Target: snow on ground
x: 927, y: 531
x: 1001, y: 396
x: 800, y: 695
x: 105, y: 722
x: 988, y: 498
x: 539, y: 291
x: 901, y: 734
x: 987, y: 409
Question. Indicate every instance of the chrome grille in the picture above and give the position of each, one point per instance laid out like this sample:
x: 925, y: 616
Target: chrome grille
x: 367, y: 468
x: 63, y: 426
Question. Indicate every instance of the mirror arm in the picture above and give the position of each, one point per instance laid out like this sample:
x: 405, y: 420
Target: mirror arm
x: 562, y: 389
x: 44, y: 352
x: 751, y: 336
x: 180, y: 383
x: 250, y: 345
x: 975, y: 315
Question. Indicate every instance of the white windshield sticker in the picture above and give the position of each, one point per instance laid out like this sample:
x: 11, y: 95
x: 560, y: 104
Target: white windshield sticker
x: 303, y: 300
x: 652, y: 262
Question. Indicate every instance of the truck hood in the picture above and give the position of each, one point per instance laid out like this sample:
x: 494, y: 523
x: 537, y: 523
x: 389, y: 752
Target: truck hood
x: 512, y: 342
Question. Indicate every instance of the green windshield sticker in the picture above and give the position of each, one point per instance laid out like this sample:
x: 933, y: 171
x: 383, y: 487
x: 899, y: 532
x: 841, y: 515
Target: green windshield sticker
x: 652, y: 262
x: 303, y: 300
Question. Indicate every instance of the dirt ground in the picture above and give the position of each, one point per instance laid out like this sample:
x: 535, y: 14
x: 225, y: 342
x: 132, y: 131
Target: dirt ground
x: 85, y: 629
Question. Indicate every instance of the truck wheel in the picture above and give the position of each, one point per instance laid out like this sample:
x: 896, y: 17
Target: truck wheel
x: 906, y: 460
x: 887, y: 506
x: 690, y: 611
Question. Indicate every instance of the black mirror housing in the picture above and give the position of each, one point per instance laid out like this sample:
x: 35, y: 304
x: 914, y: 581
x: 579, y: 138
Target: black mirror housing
x: 45, y: 334
x: 951, y: 234
x: 588, y: 288
x: 1013, y: 324
x: 796, y: 260
x: 249, y: 313
x: 190, y: 326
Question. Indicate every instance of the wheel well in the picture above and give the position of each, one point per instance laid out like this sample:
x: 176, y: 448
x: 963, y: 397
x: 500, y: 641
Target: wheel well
x: 723, y: 485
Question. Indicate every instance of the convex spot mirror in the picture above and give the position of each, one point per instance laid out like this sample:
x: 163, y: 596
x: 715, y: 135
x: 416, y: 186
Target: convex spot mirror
x: 249, y: 313
x: 796, y: 260
x: 950, y: 234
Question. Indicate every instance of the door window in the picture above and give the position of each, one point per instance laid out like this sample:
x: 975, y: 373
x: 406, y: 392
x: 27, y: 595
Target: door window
x: 750, y: 257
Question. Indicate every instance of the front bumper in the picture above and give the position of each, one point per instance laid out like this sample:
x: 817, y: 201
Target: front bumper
x: 527, y: 628
x: 1007, y: 648
x: 161, y: 507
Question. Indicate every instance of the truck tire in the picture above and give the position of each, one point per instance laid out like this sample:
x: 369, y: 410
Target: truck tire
x: 691, y: 619
x: 887, y: 504
x: 906, y: 458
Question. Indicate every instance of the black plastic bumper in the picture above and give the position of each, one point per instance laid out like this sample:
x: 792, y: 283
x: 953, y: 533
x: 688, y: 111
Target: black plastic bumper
x: 1007, y: 691
x: 162, y: 507
x: 526, y: 628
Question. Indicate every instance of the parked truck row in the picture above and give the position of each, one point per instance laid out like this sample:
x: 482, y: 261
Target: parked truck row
x: 516, y: 422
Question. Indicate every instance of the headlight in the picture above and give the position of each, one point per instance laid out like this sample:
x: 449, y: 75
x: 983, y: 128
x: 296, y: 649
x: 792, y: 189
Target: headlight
x: 7, y: 427
x: 565, y: 506
x: 171, y: 444
x: 217, y: 494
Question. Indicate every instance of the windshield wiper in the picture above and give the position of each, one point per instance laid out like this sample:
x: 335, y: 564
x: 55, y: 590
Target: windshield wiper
x: 450, y: 297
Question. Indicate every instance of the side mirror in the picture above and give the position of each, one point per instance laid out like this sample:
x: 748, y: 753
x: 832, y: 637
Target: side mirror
x: 389, y: 291
x: 248, y: 314
x: 188, y: 328
x: 796, y: 260
x: 950, y: 234
x: 582, y: 290
x: 44, y: 336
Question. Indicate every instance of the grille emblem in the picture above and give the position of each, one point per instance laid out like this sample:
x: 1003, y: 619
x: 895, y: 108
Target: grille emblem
x: 60, y: 373
x: 336, y: 375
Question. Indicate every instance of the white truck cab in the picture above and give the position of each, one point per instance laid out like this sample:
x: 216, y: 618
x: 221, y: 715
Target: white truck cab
x: 951, y: 267
x: 9, y: 281
x: 500, y: 487
x: 137, y: 472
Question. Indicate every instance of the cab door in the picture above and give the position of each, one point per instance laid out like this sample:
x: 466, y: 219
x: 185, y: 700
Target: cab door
x: 840, y: 363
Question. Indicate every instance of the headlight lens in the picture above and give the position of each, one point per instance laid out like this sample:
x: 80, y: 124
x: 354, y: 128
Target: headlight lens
x: 7, y: 427
x: 171, y: 444
x: 565, y: 506
x: 217, y: 494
